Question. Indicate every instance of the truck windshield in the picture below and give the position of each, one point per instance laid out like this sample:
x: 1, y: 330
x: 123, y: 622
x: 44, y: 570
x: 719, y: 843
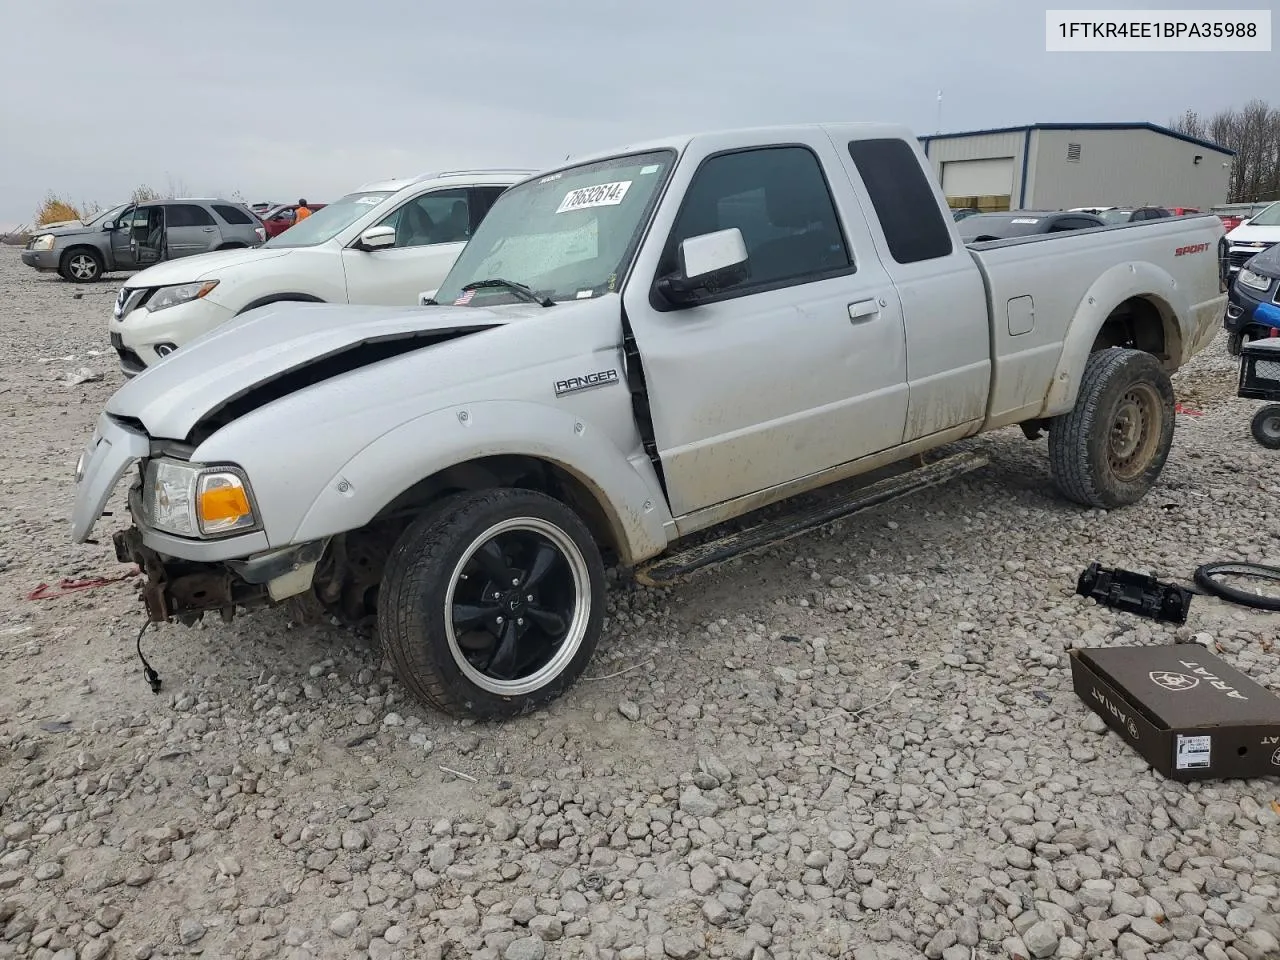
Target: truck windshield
x: 327, y: 222
x: 1269, y: 217
x: 568, y: 236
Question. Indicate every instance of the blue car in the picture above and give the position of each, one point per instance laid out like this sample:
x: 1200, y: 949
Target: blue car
x: 1253, y: 303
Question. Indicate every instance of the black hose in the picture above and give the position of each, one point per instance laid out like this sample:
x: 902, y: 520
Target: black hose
x: 1207, y: 574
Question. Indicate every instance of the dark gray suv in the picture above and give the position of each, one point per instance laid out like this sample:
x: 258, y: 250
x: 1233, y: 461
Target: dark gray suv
x: 135, y: 235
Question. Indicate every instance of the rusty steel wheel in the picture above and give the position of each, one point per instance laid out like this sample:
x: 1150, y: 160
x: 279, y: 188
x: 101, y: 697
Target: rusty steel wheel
x: 1135, y: 431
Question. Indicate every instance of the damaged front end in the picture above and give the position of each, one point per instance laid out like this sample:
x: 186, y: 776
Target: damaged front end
x: 185, y: 590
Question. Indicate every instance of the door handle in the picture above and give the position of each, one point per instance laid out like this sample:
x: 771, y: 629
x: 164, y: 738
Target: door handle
x: 208, y: 229
x: 863, y: 310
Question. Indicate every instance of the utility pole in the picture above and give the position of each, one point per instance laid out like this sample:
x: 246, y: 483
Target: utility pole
x: 939, y: 130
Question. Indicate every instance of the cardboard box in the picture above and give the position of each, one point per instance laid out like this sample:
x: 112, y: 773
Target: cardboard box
x: 1192, y: 716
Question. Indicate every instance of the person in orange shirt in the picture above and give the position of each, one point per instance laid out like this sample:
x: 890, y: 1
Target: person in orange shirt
x: 302, y: 212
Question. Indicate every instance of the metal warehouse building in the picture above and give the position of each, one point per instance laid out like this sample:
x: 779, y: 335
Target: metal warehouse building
x: 1052, y: 166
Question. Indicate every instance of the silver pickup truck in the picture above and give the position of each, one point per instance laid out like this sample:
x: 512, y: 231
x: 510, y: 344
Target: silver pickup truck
x: 632, y: 349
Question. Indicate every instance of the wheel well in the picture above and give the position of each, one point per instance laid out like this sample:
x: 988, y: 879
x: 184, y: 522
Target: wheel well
x: 347, y: 580
x: 82, y: 246
x: 233, y: 245
x: 526, y: 472
x: 278, y: 298
x: 1142, y: 324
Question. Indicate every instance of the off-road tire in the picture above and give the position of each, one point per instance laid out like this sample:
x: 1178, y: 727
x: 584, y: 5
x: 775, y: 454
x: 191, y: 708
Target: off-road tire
x: 1265, y: 426
x: 1081, y: 441
x: 69, y: 266
x: 1235, y: 342
x: 415, y: 584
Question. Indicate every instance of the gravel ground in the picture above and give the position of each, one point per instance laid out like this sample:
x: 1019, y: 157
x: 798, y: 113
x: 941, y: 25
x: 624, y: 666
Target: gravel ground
x: 863, y: 743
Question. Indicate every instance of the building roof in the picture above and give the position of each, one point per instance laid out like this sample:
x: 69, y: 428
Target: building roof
x: 1153, y: 127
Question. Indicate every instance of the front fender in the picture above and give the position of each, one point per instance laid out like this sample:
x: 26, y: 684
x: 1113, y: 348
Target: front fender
x: 361, y: 487
x: 1125, y: 281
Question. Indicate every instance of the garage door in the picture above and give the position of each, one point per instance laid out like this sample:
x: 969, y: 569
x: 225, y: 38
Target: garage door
x: 978, y: 178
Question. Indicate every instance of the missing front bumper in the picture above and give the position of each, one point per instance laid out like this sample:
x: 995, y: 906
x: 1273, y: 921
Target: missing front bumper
x: 185, y: 590
x: 181, y: 589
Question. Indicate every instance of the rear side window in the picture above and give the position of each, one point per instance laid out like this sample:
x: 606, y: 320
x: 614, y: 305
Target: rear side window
x: 904, y: 202
x: 187, y: 215
x: 231, y: 214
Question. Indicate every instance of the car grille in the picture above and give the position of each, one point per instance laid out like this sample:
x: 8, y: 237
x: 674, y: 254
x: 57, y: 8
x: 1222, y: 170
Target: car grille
x: 130, y: 362
x: 1239, y: 258
x: 127, y: 300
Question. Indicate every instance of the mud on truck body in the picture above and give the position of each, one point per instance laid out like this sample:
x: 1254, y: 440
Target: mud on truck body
x: 631, y: 349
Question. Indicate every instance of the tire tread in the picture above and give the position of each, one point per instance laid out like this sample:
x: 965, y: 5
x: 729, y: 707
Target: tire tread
x: 414, y: 567
x: 1071, y: 460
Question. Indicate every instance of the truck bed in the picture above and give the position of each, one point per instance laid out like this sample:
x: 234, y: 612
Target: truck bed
x: 1038, y: 288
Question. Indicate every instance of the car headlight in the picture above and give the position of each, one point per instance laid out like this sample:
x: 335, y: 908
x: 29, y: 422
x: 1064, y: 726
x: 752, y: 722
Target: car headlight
x: 44, y: 242
x: 182, y: 293
x: 195, y: 500
x: 1253, y: 280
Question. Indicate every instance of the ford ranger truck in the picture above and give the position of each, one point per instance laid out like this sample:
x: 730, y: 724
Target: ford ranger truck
x: 633, y: 348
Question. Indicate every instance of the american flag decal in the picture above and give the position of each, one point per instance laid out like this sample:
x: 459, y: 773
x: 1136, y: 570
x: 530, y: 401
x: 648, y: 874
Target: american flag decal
x: 464, y: 298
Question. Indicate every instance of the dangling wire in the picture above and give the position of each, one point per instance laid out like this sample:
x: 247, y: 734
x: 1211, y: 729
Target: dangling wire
x: 150, y: 675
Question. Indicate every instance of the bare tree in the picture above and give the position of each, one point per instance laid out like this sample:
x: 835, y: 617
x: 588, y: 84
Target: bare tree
x: 1253, y: 132
x: 177, y: 188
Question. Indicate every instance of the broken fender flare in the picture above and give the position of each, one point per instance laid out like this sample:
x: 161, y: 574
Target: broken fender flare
x: 1207, y: 574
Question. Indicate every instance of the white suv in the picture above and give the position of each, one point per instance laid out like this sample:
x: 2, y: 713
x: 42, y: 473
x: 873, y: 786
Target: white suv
x: 382, y: 244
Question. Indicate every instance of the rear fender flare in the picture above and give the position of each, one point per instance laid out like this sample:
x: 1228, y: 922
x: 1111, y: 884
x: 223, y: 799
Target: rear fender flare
x: 627, y: 493
x: 1125, y: 281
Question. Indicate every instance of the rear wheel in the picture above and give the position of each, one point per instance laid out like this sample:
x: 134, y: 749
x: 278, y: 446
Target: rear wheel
x: 1266, y: 426
x: 81, y: 265
x: 1109, y: 450
x: 492, y: 603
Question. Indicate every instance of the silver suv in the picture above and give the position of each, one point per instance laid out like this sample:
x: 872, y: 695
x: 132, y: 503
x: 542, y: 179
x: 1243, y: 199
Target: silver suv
x: 136, y: 235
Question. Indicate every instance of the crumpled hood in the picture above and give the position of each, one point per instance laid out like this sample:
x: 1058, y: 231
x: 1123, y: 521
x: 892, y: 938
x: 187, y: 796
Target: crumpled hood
x: 172, y: 396
x: 62, y: 231
x: 203, y: 266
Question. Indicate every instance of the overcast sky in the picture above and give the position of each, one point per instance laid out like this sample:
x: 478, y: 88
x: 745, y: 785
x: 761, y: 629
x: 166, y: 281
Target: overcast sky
x: 288, y: 98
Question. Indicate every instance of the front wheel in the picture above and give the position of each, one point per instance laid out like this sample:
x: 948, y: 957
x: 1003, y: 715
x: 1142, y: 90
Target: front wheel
x: 81, y: 266
x: 1109, y: 450
x: 1235, y: 342
x: 492, y: 603
x: 1266, y: 426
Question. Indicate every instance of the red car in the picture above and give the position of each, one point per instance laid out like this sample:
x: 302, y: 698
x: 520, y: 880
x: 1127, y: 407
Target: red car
x: 280, y: 218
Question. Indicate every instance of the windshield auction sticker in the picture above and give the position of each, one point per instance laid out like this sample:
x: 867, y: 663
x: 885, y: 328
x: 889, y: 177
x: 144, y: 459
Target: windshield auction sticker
x: 603, y: 195
x: 1157, y: 31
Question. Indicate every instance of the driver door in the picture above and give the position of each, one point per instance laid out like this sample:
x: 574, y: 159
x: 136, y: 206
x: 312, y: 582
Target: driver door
x: 797, y: 369
x: 431, y: 230
x: 121, y: 240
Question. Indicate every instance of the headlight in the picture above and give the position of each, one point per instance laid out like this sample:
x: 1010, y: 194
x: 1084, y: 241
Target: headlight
x: 194, y: 500
x: 182, y: 293
x: 1250, y: 279
x: 44, y: 242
